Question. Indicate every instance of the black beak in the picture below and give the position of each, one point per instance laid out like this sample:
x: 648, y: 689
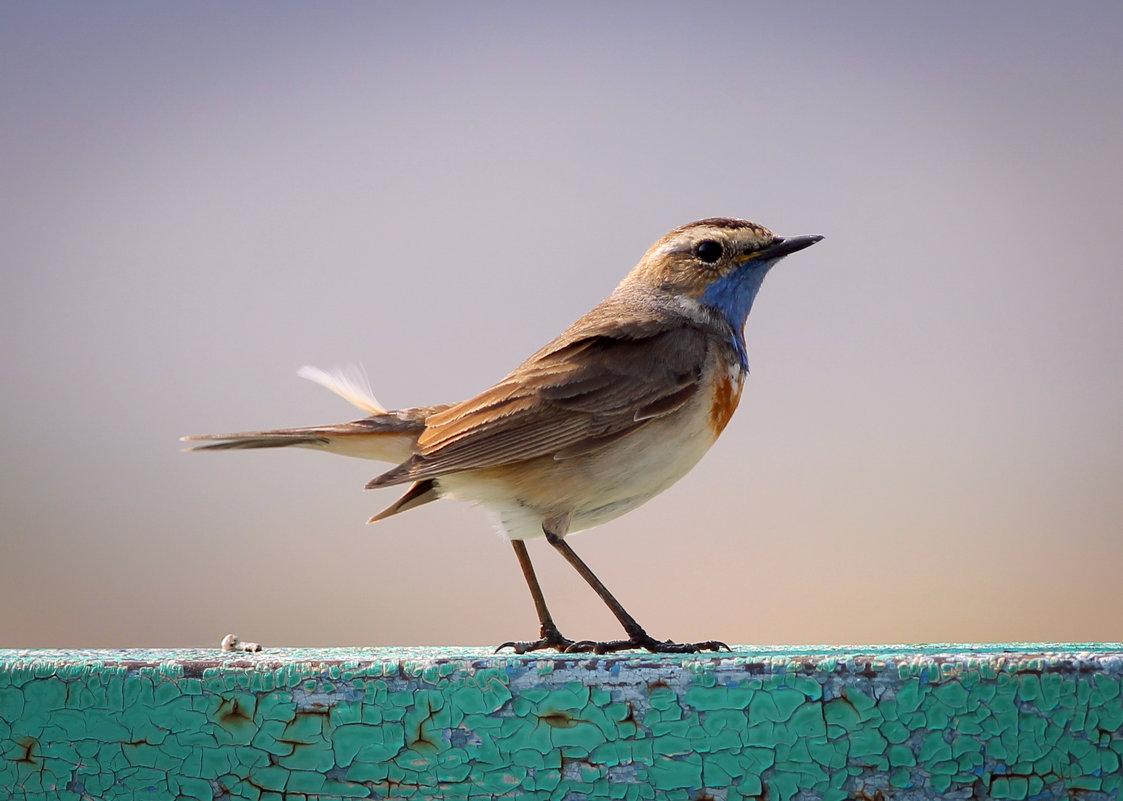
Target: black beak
x: 781, y: 246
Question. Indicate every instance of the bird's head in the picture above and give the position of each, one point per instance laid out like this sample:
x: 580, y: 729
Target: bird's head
x: 717, y: 262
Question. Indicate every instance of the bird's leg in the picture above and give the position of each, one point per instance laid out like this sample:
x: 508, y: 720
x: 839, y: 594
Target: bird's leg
x: 550, y: 637
x: 637, y: 637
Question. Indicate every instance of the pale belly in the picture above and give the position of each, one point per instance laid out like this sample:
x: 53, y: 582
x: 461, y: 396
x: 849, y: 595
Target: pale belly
x: 599, y: 486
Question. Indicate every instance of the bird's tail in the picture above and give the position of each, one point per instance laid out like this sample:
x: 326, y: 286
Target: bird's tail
x: 386, y: 436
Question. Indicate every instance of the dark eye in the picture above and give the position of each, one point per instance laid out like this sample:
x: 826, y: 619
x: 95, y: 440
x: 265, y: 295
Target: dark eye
x: 708, y: 251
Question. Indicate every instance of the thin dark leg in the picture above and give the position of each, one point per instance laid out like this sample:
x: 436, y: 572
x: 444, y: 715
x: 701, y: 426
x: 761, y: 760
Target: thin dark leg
x: 638, y: 638
x: 627, y: 621
x: 532, y: 581
x: 549, y: 635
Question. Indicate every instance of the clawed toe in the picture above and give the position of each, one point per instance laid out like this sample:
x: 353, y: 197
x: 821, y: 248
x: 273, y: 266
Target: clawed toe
x: 551, y: 638
x: 643, y: 640
x: 526, y: 646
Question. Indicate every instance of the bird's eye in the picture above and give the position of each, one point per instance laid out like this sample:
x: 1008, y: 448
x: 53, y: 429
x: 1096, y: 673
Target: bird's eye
x: 708, y: 251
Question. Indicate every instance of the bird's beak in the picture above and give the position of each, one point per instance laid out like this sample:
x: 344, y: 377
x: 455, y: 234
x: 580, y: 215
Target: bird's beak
x: 781, y: 246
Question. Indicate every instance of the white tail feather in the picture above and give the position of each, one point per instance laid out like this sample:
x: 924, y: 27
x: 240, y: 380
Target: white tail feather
x: 348, y: 381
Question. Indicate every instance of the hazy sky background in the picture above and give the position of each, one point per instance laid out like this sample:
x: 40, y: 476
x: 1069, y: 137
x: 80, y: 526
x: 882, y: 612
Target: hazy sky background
x: 198, y: 199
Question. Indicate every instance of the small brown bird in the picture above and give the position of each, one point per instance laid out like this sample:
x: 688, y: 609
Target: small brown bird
x: 600, y: 420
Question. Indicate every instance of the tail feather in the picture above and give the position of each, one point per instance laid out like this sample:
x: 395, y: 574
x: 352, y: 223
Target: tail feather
x: 348, y: 382
x: 259, y: 439
x: 385, y: 437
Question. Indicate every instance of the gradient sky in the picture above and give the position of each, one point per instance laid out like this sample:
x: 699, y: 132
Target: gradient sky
x: 198, y: 199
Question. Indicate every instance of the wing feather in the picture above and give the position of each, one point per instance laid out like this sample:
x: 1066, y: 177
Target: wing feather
x: 572, y: 397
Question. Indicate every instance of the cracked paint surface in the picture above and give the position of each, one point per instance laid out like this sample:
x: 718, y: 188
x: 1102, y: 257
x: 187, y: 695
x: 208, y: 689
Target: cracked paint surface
x: 905, y: 722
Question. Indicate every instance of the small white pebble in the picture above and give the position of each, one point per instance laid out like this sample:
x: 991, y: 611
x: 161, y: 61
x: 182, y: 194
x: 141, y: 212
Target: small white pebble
x: 231, y: 643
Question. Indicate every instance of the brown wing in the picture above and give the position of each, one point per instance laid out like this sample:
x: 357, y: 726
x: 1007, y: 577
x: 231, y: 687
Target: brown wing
x: 575, y: 395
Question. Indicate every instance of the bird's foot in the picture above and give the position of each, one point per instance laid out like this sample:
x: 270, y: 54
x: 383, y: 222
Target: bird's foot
x: 551, y: 638
x: 642, y: 639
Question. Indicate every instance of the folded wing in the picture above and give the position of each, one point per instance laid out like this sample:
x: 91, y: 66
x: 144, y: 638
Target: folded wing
x: 574, y: 396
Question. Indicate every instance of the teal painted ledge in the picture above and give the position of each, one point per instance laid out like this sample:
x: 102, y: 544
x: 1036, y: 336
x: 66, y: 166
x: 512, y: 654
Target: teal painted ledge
x: 900, y: 722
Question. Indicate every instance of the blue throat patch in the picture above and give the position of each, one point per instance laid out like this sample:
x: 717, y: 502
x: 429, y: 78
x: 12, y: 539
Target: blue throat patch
x: 733, y: 296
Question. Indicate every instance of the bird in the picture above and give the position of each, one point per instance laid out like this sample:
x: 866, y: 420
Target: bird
x: 606, y: 416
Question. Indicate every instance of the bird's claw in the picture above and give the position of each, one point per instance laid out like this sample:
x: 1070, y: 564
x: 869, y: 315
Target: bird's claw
x: 553, y: 639
x: 643, y: 640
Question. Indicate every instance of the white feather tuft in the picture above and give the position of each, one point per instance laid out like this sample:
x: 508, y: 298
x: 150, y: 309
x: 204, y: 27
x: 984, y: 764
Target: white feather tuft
x: 348, y: 381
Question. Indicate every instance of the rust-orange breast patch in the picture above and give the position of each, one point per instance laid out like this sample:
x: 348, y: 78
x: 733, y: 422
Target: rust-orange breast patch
x: 723, y: 402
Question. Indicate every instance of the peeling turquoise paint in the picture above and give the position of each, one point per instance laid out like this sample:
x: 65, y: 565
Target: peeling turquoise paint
x: 1012, y: 722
